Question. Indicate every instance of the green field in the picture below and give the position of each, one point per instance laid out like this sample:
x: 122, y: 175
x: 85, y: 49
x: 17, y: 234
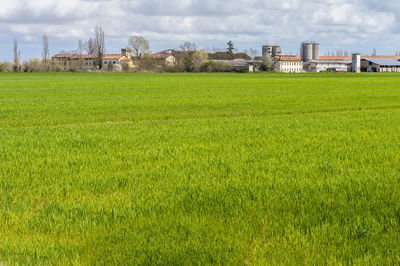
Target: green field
x: 182, y: 169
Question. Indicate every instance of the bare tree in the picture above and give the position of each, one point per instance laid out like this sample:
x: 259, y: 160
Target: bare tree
x: 374, y: 52
x: 186, y: 59
x: 253, y: 52
x: 140, y: 46
x: 45, y: 52
x: 80, y: 54
x: 188, y: 47
x: 99, y: 44
x: 89, y: 47
x: 17, y: 56
x: 199, y: 58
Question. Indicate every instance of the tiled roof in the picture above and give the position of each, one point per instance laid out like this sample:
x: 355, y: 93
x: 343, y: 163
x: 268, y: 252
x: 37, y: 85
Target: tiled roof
x: 335, y: 58
x: 63, y: 56
x: 113, y: 56
x: 74, y: 56
x: 84, y: 56
x: 169, y: 51
x: 394, y: 57
x: 288, y: 58
x: 161, y: 56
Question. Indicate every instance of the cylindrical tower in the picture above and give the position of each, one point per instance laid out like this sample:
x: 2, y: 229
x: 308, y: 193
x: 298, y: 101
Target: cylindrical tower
x: 356, y: 63
x: 307, y: 49
x: 276, y: 50
x: 267, y: 51
x: 315, y: 51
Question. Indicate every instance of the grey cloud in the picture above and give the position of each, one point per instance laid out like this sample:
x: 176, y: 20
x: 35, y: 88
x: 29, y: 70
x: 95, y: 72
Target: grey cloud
x: 329, y: 21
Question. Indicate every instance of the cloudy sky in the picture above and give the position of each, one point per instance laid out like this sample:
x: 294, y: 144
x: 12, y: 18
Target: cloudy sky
x: 351, y: 25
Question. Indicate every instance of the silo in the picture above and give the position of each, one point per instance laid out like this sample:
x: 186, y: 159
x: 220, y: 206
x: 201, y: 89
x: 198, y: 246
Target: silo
x: 307, y: 51
x: 356, y: 63
x: 267, y: 51
x: 276, y: 50
x: 315, y: 51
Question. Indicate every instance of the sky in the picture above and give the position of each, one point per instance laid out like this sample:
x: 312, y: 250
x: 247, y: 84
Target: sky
x: 350, y: 25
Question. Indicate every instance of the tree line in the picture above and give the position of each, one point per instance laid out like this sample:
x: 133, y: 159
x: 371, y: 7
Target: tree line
x: 188, y: 59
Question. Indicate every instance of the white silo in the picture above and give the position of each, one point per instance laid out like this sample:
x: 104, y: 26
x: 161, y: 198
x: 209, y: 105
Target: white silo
x: 356, y: 63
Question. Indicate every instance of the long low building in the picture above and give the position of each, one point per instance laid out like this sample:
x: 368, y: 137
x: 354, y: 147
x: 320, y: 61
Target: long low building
x: 87, y: 61
x: 329, y: 63
x: 288, y: 63
x: 236, y: 65
x: 373, y: 64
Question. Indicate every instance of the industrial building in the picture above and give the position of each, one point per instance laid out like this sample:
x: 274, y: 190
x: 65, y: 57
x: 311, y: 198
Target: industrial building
x: 313, y: 62
x: 373, y: 64
x: 328, y: 63
x: 309, y: 51
x: 270, y: 51
x: 282, y: 63
x: 310, y: 61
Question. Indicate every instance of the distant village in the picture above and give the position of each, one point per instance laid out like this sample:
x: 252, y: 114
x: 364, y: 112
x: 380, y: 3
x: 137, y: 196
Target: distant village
x: 272, y: 59
x: 91, y: 56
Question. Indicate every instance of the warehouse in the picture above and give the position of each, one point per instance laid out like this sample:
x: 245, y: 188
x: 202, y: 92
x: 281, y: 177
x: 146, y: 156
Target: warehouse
x: 379, y: 65
x: 328, y: 63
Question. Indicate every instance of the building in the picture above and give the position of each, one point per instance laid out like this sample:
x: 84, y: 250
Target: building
x: 270, y: 51
x: 234, y: 65
x: 288, y: 64
x: 373, y: 64
x: 328, y: 63
x: 118, y: 61
x: 309, y: 51
x: 356, y: 63
x: 74, y: 60
x: 313, y: 62
x: 89, y: 61
x: 166, y: 57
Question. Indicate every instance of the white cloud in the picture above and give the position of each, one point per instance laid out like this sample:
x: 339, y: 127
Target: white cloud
x: 247, y: 23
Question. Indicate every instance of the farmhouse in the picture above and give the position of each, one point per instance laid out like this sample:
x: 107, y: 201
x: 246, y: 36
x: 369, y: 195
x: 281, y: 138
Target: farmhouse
x: 74, y: 60
x: 89, y: 61
x: 165, y: 57
x: 288, y: 63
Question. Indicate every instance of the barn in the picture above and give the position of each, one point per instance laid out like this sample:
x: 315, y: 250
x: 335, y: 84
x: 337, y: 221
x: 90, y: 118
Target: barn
x: 379, y: 65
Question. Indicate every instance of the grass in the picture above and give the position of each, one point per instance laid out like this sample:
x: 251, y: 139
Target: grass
x: 199, y: 169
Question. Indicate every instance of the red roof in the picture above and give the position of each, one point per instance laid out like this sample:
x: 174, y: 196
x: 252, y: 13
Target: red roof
x: 75, y: 56
x: 348, y: 58
x: 85, y: 56
x: 335, y: 58
x: 394, y: 57
x: 113, y: 56
x: 161, y: 55
x: 288, y: 58
x: 63, y: 56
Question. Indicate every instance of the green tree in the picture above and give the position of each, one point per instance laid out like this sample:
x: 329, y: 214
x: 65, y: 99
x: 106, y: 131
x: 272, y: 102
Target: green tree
x: 230, y: 47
